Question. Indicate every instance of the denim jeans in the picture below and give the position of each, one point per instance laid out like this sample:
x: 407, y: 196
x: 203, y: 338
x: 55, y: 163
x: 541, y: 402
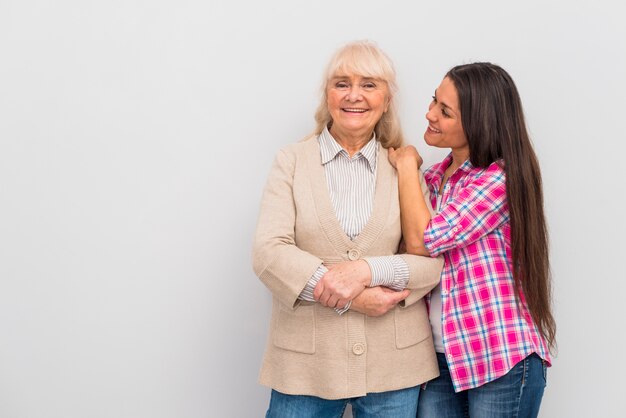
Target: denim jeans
x: 393, y: 404
x: 517, y: 394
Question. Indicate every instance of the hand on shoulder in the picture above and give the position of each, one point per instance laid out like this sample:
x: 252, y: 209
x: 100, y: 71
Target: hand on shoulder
x: 405, y: 156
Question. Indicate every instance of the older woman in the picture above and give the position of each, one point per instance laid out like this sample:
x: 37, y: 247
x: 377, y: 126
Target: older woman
x: 349, y: 324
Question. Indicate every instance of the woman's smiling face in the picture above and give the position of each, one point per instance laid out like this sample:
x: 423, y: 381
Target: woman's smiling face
x: 356, y: 104
x: 445, y: 128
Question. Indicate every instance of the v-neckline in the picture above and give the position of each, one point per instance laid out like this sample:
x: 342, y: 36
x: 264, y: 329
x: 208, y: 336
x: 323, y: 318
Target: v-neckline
x: 326, y: 213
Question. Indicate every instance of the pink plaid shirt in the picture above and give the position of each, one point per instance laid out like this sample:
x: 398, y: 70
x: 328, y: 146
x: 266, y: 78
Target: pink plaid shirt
x: 486, y: 330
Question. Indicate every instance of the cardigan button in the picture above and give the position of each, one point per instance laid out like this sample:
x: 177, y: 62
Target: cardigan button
x: 354, y: 254
x: 358, y: 349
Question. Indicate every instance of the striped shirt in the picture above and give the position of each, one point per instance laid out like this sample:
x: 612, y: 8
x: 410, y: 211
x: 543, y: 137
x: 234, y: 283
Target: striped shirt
x: 351, y: 184
x: 486, y: 329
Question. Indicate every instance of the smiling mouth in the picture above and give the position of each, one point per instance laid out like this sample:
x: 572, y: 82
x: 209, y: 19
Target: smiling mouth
x: 353, y: 110
x: 430, y: 128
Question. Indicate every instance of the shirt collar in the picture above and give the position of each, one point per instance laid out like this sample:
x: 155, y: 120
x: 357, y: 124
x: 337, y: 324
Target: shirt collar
x: 330, y: 148
x: 435, y: 175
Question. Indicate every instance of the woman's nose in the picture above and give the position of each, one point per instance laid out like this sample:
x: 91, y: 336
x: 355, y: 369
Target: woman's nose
x: 354, y: 94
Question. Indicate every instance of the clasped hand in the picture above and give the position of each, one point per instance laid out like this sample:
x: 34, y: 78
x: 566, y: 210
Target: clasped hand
x: 348, y: 281
x: 342, y: 283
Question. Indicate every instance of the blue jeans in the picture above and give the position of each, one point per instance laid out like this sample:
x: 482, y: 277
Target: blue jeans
x: 517, y: 394
x: 393, y: 404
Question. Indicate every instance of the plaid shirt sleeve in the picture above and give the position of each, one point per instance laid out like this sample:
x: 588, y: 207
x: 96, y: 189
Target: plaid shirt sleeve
x: 478, y: 208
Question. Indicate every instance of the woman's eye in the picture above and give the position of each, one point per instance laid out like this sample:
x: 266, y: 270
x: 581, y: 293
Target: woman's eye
x: 444, y: 112
x: 341, y: 85
x: 369, y: 85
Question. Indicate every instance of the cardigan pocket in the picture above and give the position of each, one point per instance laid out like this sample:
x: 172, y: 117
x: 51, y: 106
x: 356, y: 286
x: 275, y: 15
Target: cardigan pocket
x: 295, y: 328
x: 412, y: 325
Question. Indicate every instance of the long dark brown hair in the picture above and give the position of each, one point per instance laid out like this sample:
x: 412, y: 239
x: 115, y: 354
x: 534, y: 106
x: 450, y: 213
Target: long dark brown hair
x: 493, y: 121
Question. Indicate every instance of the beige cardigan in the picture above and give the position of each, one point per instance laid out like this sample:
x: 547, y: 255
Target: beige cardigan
x: 311, y: 349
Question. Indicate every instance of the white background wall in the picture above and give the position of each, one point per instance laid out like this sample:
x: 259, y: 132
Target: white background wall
x: 135, y: 138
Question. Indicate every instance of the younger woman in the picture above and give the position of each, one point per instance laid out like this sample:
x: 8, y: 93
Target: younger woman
x: 491, y: 319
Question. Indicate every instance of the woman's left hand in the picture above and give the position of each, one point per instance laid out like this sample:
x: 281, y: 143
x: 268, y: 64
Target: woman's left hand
x: 402, y: 155
x: 377, y: 301
x: 342, y: 283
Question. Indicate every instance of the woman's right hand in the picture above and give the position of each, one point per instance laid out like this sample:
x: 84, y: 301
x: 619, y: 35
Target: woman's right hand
x: 342, y: 283
x: 402, y: 155
x: 377, y: 301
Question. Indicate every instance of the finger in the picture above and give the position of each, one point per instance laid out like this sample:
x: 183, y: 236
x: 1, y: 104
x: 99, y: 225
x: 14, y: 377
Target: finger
x: 392, y: 300
x: 324, y: 297
x: 332, y: 301
x: 400, y: 296
x: 319, y: 289
x: 341, y: 303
